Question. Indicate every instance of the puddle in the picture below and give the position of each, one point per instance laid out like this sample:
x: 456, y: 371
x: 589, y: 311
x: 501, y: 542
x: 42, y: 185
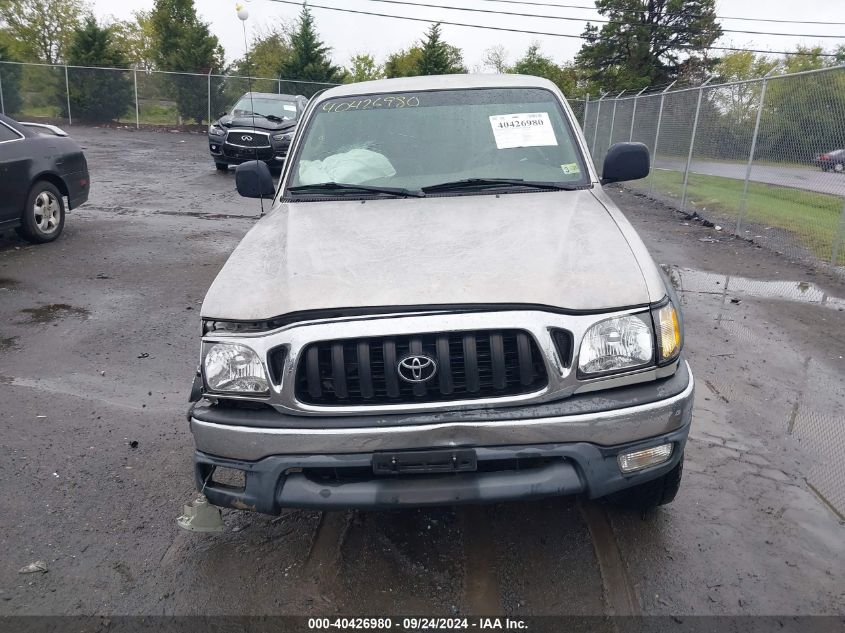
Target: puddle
x: 54, y: 312
x: 691, y: 280
x: 7, y: 282
x: 809, y: 400
x: 8, y: 343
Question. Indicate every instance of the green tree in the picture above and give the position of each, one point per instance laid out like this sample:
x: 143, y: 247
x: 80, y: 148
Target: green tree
x: 738, y: 101
x: 363, y: 68
x: 648, y: 42
x: 10, y: 78
x: 184, y: 44
x: 805, y: 58
x: 270, y: 47
x: 42, y: 28
x: 802, y: 115
x: 438, y: 57
x: 431, y: 56
x: 96, y: 95
x: 309, y: 59
x: 537, y: 64
x: 136, y: 38
x: 404, y: 63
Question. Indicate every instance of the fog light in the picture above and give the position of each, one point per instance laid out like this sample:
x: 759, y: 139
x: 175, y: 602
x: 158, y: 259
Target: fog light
x: 630, y: 462
x: 214, y: 147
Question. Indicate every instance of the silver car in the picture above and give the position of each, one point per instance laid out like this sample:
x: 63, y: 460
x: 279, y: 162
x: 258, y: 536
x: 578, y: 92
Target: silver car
x: 441, y: 307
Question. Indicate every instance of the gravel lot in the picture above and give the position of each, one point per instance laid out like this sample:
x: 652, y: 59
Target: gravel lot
x: 98, y: 341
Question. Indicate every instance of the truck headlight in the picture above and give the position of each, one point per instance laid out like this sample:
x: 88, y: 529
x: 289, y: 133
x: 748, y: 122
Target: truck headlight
x: 286, y: 136
x: 668, y: 333
x: 617, y: 344
x: 234, y: 368
x: 216, y: 130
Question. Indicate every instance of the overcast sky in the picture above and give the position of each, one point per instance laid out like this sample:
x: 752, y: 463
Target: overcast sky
x: 348, y: 33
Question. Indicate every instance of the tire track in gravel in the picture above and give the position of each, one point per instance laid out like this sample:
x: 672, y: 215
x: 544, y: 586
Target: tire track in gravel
x: 619, y: 593
x: 481, y: 586
x: 324, y: 554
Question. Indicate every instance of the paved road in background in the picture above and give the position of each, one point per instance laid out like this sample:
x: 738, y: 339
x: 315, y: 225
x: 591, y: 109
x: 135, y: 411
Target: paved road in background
x: 810, y: 178
x: 99, y: 340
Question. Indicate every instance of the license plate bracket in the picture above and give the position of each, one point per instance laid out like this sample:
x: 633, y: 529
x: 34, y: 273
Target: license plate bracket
x: 424, y: 462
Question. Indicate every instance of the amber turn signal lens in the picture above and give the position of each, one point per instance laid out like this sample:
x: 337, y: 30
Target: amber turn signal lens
x: 668, y: 332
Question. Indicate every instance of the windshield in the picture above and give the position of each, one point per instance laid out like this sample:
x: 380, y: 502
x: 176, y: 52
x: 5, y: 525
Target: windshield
x: 419, y: 139
x: 265, y: 106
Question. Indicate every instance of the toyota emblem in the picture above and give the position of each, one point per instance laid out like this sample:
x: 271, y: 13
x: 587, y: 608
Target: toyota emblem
x: 246, y: 138
x: 418, y: 368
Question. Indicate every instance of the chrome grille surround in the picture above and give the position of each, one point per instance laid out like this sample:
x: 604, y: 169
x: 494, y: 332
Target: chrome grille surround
x: 562, y: 379
x: 262, y: 139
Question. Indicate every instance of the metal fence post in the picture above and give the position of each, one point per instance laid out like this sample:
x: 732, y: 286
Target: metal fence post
x: 613, y: 118
x: 67, y: 90
x: 692, y: 144
x: 279, y: 81
x: 840, y: 236
x: 209, y: 95
x: 586, y: 110
x: 596, y: 129
x: 137, y: 105
x: 634, y: 113
x: 657, y: 135
x: 2, y: 103
x: 744, y: 201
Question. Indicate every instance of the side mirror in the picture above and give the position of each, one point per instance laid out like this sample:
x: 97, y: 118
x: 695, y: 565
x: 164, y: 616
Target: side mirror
x: 253, y: 180
x: 625, y: 161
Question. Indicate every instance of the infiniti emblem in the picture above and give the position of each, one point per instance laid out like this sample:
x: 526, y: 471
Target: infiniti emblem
x: 246, y: 138
x: 417, y: 368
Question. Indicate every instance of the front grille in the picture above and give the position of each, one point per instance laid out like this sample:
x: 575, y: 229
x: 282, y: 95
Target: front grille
x: 470, y: 365
x: 258, y: 153
x: 248, y: 139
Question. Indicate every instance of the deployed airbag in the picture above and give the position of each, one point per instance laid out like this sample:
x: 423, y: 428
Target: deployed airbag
x: 353, y: 167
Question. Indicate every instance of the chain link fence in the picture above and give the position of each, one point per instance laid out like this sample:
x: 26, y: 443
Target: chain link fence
x: 757, y: 158
x: 102, y: 96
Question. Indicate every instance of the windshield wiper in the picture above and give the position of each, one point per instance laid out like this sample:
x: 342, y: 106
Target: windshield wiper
x: 342, y: 186
x: 482, y: 183
x: 269, y: 117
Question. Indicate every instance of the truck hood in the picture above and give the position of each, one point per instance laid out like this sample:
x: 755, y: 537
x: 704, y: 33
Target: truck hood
x: 559, y: 249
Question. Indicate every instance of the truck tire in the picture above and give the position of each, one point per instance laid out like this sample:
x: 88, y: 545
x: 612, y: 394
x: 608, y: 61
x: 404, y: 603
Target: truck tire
x: 43, y: 216
x: 651, y: 494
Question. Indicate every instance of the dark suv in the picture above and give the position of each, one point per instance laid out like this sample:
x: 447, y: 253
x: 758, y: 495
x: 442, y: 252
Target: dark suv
x: 259, y: 127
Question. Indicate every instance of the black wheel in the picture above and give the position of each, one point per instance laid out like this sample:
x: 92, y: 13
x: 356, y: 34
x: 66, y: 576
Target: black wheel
x: 222, y: 166
x: 44, y: 214
x: 657, y: 492
x: 825, y: 167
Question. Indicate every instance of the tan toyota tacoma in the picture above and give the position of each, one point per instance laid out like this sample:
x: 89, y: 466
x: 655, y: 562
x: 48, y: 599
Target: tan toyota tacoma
x: 442, y: 306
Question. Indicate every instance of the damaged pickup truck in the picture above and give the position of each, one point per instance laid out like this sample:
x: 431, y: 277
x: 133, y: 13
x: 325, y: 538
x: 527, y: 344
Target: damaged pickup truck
x: 442, y: 307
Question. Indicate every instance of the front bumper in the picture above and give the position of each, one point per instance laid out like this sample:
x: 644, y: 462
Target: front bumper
x: 223, y: 152
x: 518, y: 458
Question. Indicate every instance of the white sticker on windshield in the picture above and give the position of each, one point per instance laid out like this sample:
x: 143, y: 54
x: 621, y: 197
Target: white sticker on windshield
x: 289, y: 108
x: 530, y: 129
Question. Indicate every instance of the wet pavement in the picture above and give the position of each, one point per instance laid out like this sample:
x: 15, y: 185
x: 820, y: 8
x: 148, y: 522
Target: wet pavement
x: 98, y: 342
x: 809, y: 178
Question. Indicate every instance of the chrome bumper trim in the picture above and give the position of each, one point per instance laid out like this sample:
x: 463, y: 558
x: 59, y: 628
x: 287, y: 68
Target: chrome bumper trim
x: 563, y: 380
x: 606, y: 428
